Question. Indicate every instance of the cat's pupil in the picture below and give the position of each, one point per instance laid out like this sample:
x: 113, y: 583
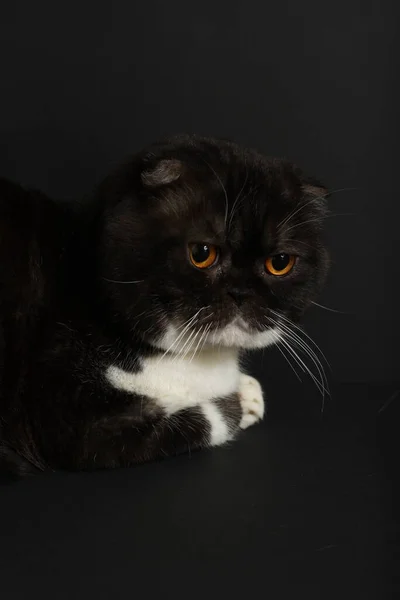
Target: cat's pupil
x: 280, y: 261
x: 200, y: 252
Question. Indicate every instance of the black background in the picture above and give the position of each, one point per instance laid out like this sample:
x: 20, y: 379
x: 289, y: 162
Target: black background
x: 82, y: 85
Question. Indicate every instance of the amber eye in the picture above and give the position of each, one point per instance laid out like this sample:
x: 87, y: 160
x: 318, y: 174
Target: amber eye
x: 280, y: 264
x: 203, y: 256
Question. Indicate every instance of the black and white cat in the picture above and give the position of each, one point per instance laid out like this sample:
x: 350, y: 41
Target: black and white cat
x: 123, y: 318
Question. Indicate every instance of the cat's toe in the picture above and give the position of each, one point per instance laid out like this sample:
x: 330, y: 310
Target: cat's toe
x: 251, y: 399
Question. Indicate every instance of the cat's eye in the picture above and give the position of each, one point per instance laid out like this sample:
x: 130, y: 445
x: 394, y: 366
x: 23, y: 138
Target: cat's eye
x: 280, y: 264
x: 203, y: 256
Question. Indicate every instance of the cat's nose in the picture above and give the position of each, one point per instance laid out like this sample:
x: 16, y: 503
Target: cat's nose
x: 238, y: 295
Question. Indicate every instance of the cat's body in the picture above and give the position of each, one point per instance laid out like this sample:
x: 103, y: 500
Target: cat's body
x: 117, y: 345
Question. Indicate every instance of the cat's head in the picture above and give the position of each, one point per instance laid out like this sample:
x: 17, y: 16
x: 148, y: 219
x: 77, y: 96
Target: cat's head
x: 204, y: 242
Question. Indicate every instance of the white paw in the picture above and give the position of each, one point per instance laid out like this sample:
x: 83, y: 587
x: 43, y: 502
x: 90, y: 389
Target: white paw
x: 251, y: 399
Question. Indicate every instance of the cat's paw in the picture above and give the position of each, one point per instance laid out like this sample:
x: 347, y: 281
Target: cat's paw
x: 251, y: 399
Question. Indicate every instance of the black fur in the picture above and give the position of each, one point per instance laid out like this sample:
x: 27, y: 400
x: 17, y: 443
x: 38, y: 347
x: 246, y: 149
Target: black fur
x: 65, y: 314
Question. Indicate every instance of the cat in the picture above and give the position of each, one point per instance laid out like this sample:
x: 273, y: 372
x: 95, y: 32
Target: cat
x: 123, y: 317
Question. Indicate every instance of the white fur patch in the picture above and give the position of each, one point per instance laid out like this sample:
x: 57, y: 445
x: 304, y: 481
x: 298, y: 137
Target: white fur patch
x: 251, y: 399
x: 176, y: 382
x: 219, y: 433
x: 235, y: 335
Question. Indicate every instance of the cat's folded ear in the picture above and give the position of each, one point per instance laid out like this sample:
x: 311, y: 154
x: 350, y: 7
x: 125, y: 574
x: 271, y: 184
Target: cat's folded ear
x: 164, y: 172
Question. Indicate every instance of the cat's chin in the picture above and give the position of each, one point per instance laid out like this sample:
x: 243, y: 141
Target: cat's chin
x: 235, y: 335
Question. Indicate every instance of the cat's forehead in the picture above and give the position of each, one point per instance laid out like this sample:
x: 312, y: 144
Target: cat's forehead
x: 214, y: 189
x: 228, y: 207
x: 243, y: 223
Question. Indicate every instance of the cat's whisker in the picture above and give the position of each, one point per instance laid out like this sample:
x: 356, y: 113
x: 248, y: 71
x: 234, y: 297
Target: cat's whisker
x: 301, y: 331
x: 202, y: 330
x: 322, y: 197
x: 340, y: 190
x: 288, y: 361
x: 307, y: 349
x: 188, y: 333
x: 321, y: 382
x: 320, y: 219
x: 308, y: 245
x: 293, y: 213
x: 327, y: 308
x: 321, y: 388
x: 237, y: 200
x: 191, y: 318
x: 181, y: 350
x: 189, y: 349
x: 128, y: 282
x: 206, y: 337
x: 223, y: 188
x: 307, y: 222
x: 292, y: 353
x: 314, y: 358
x: 150, y: 313
x: 178, y: 327
x: 182, y: 333
x: 188, y: 327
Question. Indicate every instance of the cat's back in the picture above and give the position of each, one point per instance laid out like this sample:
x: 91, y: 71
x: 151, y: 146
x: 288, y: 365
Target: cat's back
x: 28, y: 230
x: 28, y: 223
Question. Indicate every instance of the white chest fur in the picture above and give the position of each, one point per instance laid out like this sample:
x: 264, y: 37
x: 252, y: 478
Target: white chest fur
x: 176, y: 382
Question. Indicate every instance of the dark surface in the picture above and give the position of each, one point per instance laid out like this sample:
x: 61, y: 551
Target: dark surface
x: 299, y: 505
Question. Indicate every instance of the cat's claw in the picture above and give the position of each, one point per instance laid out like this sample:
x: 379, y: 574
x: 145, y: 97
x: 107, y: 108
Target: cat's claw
x: 251, y: 399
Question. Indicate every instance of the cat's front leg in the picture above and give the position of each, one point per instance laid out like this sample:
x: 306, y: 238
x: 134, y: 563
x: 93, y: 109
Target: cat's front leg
x: 171, y: 429
x: 129, y: 438
x: 251, y: 400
